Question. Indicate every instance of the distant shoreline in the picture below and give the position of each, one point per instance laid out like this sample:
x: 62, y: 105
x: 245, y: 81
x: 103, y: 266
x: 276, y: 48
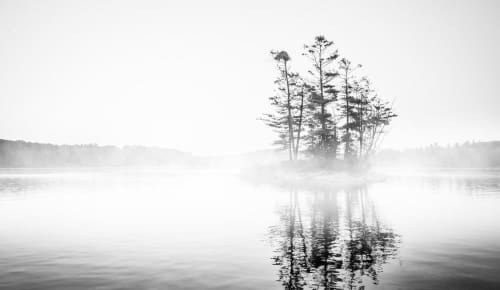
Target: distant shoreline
x: 22, y: 154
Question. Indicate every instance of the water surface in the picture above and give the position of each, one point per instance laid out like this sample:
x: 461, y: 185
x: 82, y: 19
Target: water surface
x: 158, y: 229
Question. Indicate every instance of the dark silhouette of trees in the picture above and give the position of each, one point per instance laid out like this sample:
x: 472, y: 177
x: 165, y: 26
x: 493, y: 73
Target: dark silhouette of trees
x: 362, y: 92
x: 348, y: 107
x: 322, y: 127
x: 283, y: 119
x: 379, y: 117
x: 303, y: 89
x: 331, y: 99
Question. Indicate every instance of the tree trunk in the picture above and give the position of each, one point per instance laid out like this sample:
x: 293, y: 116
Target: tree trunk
x: 323, y: 123
x: 291, y: 141
x: 347, y: 136
x: 360, y: 116
x: 300, y: 123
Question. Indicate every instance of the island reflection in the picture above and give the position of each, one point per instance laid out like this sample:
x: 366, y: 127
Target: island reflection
x: 331, y: 240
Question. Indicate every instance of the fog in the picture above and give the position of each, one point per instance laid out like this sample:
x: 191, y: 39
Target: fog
x: 321, y: 144
x: 194, y: 76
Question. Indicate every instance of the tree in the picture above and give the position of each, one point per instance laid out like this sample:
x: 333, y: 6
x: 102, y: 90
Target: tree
x: 332, y: 98
x: 348, y: 107
x: 379, y: 116
x: 322, y: 127
x: 282, y: 121
x: 362, y: 91
x: 302, y: 91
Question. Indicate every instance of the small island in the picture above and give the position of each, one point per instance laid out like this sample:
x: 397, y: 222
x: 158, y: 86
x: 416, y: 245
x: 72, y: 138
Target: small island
x: 329, y: 118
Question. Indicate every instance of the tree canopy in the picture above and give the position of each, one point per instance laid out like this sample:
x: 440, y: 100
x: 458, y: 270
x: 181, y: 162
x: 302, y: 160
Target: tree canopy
x: 331, y: 107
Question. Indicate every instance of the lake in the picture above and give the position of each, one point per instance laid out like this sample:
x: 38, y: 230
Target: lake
x: 160, y: 229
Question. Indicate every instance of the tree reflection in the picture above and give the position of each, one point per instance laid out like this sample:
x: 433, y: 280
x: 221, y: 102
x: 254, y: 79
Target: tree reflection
x: 334, y: 242
x: 292, y: 251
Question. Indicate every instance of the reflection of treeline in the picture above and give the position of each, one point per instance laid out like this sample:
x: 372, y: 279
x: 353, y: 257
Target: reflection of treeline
x: 466, y: 155
x: 337, y: 242
x: 27, y: 154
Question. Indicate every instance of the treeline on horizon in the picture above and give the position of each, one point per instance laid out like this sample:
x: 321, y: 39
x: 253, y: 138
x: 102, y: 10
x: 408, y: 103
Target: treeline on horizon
x: 466, y: 155
x: 329, y: 112
x: 28, y: 154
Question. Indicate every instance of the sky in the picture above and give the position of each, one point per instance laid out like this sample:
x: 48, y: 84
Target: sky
x: 196, y: 75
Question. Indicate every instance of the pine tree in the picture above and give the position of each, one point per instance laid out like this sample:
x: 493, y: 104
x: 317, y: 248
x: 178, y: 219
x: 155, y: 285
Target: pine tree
x: 379, y: 116
x: 333, y: 95
x: 348, y: 106
x: 362, y: 92
x: 282, y: 120
x: 322, y: 127
x: 302, y: 90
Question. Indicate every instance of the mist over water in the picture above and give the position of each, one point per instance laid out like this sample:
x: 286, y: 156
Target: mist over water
x: 165, y: 229
x: 222, y: 144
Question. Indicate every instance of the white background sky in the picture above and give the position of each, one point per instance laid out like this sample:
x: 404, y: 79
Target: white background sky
x: 195, y: 75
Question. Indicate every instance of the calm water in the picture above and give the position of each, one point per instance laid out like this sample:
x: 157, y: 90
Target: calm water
x: 211, y: 230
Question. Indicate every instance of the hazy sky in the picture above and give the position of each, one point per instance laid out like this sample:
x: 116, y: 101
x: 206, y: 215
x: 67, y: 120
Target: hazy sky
x: 195, y: 75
